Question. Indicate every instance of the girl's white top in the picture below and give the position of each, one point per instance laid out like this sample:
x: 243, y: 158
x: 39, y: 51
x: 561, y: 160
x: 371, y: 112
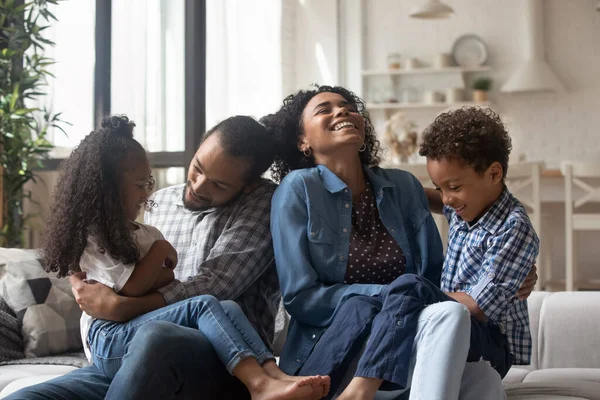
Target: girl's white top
x: 100, y: 267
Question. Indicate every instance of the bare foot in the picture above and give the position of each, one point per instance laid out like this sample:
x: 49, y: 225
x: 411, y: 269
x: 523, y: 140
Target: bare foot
x: 274, y: 389
x: 320, y: 384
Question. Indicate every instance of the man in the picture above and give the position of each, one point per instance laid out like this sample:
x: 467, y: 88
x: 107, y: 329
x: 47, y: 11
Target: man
x: 219, y: 224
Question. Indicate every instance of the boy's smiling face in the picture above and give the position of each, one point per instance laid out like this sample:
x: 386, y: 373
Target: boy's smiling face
x: 467, y: 191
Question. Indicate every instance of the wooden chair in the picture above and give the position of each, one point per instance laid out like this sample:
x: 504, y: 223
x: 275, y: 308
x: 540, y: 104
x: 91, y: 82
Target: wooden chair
x: 524, y: 182
x: 578, y: 174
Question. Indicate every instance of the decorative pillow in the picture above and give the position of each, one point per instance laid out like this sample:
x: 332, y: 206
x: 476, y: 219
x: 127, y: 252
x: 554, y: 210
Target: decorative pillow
x: 7, y: 255
x: 44, y: 306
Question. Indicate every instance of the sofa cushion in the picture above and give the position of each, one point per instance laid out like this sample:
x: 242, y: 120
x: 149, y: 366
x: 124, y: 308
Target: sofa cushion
x: 564, y: 374
x: 45, y: 307
x: 534, y: 306
x: 516, y: 375
x: 21, y: 383
x: 12, y: 373
x: 558, y: 390
x: 570, y: 330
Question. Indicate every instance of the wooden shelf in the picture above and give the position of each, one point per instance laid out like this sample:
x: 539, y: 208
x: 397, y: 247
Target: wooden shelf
x: 417, y: 71
x: 424, y: 106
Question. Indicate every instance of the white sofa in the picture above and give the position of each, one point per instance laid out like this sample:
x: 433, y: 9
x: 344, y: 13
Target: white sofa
x: 565, y: 365
x: 566, y: 348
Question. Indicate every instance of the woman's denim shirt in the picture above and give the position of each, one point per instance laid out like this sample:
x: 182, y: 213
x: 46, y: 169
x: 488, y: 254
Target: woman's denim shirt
x: 311, y: 222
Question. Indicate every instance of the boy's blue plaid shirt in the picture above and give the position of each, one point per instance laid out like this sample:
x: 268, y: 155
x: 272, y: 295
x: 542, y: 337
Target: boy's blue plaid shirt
x: 489, y: 261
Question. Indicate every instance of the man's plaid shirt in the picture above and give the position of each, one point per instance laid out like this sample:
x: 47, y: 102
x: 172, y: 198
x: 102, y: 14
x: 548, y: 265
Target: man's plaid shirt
x: 224, y: 251
x: 489, y: 261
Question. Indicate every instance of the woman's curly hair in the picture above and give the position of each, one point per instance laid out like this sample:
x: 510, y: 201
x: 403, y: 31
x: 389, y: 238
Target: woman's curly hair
x: 89, y: 197
x: 286, y: 127
x: 474, y: 135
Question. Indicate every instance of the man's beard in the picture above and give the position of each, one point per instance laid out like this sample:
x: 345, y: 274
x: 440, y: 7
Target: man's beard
x: 186, y: 204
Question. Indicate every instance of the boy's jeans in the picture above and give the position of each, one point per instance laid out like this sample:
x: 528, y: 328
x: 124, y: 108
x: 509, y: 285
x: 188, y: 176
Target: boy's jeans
x: 223, y: 323
x: 390, y: 321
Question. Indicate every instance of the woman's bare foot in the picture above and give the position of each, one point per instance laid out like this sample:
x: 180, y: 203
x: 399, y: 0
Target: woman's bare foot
x: 360, y: 388
x: 275, y: 389
x: 321, y: 384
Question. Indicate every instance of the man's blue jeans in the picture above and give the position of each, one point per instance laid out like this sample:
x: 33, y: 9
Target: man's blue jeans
x: 390, y: 322
x: 163, y: 361
x: 222, y: 323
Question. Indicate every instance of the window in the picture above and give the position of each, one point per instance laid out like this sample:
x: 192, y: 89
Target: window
x: 72, y: 92
x: 243, y: 58
x: 142, y: 58
x: 147, y: 70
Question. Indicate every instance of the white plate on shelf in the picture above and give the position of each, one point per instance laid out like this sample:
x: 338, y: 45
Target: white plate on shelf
x: 469, y: 51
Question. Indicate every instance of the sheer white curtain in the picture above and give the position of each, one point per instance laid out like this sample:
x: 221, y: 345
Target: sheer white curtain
x: 243, y: 58
x: 147, y: 70
x: 71, y: 90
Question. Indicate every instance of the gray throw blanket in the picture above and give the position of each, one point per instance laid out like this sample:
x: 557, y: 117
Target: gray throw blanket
x: 11, y: 341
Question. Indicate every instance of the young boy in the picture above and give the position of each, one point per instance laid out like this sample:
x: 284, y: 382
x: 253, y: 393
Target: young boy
x: 492, y: 247
x: 491, y: 243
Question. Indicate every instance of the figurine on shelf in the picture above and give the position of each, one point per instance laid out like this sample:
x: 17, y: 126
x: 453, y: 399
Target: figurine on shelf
x: 401, y: 138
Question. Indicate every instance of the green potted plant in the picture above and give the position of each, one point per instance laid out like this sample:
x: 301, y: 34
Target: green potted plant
x: 481, y: 87
x: 23, y: 125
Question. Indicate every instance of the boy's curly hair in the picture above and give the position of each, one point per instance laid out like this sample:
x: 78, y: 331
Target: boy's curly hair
x: 286, y: 127
x: 89, y: 198
x: 474, y: 135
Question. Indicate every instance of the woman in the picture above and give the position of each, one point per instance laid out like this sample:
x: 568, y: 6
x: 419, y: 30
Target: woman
x: 343, y: 228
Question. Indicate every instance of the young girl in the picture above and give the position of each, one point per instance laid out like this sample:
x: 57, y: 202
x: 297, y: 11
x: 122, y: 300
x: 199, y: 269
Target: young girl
x: 103, y: 186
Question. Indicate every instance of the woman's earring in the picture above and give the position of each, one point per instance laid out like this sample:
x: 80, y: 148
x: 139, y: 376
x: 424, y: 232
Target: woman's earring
x: 363, y: 148
x: 307, y: 152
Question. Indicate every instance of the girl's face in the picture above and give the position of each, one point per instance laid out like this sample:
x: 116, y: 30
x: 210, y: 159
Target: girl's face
x: 330, y: 123
x: 137, y: 185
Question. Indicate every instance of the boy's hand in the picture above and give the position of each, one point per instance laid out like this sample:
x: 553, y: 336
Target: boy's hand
x: 528, y: 284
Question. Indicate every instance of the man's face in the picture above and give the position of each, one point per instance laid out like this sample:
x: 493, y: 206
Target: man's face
x: 214, y: 177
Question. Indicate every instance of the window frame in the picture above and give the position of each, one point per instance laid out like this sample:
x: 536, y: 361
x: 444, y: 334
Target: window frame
x: 194, y: 81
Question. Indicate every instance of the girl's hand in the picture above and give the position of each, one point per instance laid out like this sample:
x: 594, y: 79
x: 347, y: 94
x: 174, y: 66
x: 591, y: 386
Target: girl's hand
x: 171, y: 257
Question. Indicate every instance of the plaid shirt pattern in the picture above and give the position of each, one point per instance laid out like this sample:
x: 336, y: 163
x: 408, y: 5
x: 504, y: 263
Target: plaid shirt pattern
x: 225, y: 251
x: 489, y: 261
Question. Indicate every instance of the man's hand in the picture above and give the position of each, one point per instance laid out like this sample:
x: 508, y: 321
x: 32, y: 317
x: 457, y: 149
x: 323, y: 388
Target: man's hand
x: 528, y: 284
x: 95, y: 299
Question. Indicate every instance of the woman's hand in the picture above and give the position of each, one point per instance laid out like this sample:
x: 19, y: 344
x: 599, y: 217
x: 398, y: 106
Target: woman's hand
x: 528, y: 284
x: 95, y: 299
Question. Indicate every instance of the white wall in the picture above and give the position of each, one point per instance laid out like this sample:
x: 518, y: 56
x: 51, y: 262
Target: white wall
x: 315, y: 42
x: 544, y: 126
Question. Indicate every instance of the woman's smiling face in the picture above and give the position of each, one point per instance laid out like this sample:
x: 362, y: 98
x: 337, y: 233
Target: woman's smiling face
x: 330, y: 122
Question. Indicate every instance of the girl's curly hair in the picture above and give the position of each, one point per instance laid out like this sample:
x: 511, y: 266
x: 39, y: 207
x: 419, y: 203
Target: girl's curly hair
x: 286, y: 127
x: 473, y: 135
x: 89, y: 197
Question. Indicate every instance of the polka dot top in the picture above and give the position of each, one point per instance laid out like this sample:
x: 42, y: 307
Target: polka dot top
x: 374, y: 257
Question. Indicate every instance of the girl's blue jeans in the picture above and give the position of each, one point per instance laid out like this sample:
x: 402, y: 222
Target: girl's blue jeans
x: 223, y: 323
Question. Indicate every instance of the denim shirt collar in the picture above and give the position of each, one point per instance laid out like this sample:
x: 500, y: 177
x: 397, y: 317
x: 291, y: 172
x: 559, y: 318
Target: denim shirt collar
x: 334, y: 184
